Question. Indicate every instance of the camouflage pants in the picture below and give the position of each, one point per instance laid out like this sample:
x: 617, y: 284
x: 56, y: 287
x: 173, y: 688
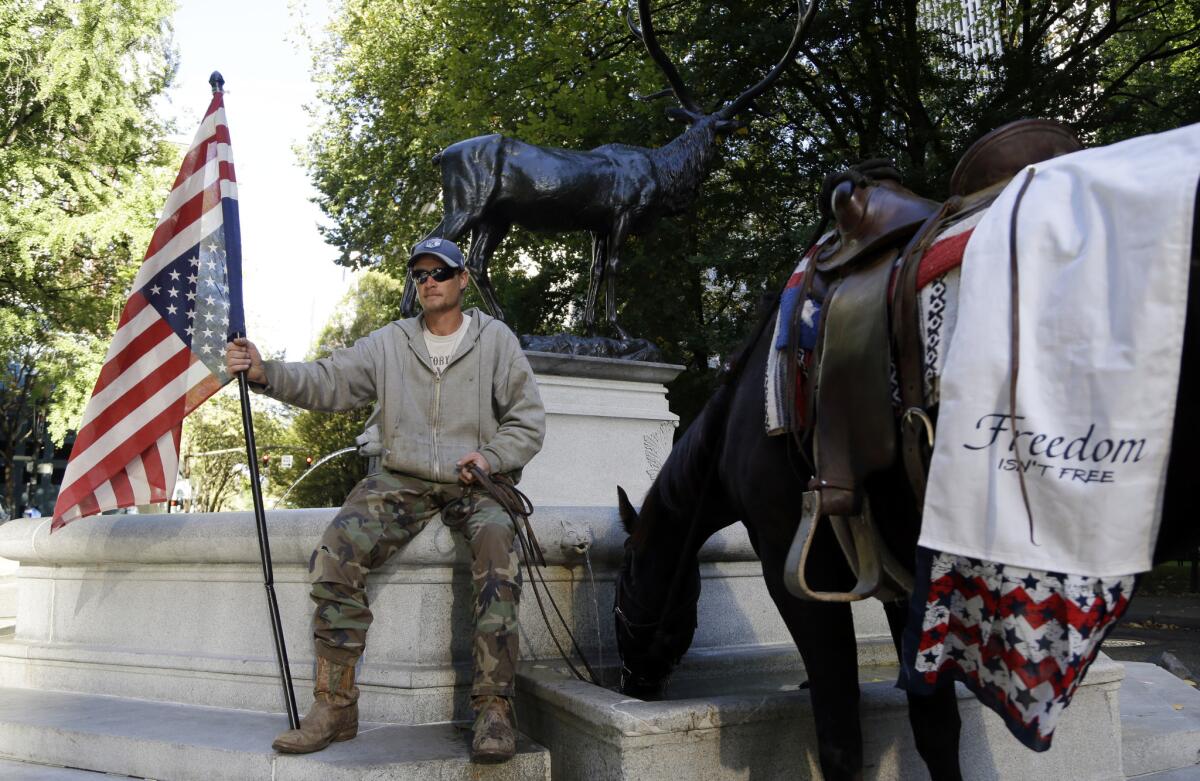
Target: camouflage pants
x: 378, y: 518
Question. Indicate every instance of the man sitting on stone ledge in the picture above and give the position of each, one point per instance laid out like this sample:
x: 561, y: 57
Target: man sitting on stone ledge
x: 426, y: 374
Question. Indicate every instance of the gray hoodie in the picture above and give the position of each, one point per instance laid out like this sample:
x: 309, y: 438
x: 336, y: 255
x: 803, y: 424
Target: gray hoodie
x: 486, y: 400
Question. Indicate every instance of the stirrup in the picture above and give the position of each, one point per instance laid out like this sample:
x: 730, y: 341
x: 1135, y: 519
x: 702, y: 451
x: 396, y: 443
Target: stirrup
x: 873, y: 565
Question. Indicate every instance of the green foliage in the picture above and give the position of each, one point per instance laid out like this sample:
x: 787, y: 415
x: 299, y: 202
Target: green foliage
x: 402, y: 79
x: 83, y: 170
x: 213, y: 451
x: 320, y: 434
x: 372, y: 303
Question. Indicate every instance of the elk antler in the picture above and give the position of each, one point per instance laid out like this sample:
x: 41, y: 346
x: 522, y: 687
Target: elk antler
x: 740, y: 103
x: 662, y: 93
x: 647, y: 36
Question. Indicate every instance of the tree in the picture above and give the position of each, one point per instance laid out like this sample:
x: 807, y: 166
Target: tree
x: 83, y: 170
x: 371, y: 303
x: 403, y: 79
x: 213, y: 451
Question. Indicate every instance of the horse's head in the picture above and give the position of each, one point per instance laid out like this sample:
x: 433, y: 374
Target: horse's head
x: 654, y: 607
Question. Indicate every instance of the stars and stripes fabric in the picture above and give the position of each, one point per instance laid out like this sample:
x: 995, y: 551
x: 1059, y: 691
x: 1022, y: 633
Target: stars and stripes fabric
x: 1020, y: 639
x: 937, y: 283
x: 784, y: 407
x: 167, y: 355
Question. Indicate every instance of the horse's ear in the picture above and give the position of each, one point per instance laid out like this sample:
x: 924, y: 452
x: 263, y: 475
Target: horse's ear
x: 629, y: 515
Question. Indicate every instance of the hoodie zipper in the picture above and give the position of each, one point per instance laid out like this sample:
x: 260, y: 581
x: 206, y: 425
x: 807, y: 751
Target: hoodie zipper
x: 437, y: 413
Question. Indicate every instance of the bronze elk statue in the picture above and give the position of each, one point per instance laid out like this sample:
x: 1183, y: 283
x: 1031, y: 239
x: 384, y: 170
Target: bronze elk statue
x: 490, y: 183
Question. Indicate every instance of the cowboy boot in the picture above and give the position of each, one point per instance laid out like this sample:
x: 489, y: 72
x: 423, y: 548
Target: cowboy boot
x: 333, y: 715
x: 495, y: 737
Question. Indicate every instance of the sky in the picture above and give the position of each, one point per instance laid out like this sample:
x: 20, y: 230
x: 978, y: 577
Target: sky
x: 291, y: 284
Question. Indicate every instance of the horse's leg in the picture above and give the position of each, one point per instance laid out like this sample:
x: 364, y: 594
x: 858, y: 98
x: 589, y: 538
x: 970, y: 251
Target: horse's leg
x: 824, y: 633
x: 934, y: 718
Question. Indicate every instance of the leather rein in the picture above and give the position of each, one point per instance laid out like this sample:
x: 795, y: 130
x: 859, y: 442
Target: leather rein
x: 501, y: 488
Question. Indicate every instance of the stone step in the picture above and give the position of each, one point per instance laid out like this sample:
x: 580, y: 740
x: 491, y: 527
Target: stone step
x: 1160, y: 724
x: 755, y: 720
x: 11, y: 770
x: 1179, y: 774
x: 171, y: 742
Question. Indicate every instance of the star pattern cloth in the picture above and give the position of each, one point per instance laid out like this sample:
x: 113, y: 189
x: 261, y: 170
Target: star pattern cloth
x: 1020, y: 639
x: 192, y: 294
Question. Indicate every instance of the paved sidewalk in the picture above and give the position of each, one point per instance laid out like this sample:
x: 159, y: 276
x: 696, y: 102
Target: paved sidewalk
x: 1157, y: 624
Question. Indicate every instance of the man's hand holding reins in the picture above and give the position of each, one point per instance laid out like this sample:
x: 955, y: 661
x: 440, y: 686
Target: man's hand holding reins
x: 465, y: 463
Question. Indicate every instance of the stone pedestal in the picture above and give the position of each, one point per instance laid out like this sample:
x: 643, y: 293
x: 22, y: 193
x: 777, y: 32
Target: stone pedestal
x: 607, y: 424
x: 171, y: 607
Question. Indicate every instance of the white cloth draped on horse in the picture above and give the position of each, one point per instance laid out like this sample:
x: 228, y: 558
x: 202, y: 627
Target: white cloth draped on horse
x: 1103, y: 243
x: 1103, y: 239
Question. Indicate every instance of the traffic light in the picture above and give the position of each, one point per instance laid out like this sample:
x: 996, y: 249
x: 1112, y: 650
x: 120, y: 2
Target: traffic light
x: 266, y: 460
x: 308, y: 460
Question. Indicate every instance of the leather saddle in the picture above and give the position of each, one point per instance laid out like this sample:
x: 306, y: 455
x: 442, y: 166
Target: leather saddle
x: 870, y: 219
x: 999, y: 155
x: 853, y: 425
x: 869, y: 324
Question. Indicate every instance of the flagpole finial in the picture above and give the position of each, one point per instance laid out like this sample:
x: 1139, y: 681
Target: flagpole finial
x: 217, y: 81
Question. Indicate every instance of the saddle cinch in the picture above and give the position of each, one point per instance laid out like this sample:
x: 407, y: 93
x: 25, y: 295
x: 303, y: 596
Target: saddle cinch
x: 882, y: 231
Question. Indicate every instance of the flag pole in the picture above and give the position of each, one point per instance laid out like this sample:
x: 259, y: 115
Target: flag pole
x: 264, y: 552
x: 260, y: 518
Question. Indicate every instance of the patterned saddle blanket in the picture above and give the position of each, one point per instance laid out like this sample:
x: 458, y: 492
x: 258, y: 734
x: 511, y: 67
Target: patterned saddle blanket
x: 937, y: 280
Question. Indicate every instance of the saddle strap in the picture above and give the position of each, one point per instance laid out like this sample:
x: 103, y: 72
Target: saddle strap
x: 916, y: 430
x: 854, y: 431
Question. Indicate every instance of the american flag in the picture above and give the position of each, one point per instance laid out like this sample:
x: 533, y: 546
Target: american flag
x: 167, y: 356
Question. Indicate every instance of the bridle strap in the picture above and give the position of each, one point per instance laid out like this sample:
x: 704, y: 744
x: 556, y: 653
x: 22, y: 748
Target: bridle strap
x: 677, y: 578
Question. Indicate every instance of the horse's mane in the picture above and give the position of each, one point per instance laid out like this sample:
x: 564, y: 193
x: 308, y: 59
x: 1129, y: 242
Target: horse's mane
x: 681, y: 481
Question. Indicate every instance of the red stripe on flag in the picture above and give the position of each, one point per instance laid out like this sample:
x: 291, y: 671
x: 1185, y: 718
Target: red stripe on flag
x: 136, y: 303
x: 140, y: 345
x: 89, y: 506
x: 197, y: 156
x: 123, y: 489
x: 191, y: 210
x: 129, y: 401
x: 152, y: 463
x: 218, y: 100
x: 138, y: 443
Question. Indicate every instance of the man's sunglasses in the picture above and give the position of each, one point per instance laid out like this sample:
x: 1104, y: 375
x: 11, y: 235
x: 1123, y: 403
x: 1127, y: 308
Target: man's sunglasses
x: 439, y: 274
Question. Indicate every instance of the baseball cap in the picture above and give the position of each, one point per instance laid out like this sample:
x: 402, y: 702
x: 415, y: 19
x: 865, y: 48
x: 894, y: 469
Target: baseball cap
x: 443, y: 249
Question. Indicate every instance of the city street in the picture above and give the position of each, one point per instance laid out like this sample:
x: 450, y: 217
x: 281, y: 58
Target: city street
x: 1156, y: 624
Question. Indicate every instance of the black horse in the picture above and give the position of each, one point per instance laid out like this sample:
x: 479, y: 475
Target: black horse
x: 724, y: 469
